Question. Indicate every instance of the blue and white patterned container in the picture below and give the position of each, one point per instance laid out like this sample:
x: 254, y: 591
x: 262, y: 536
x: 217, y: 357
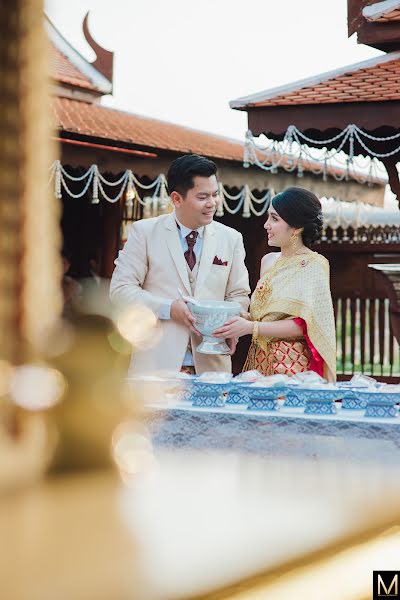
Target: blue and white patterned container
x: 264, y: 398
x: 238, y: 393
x: 320, y: 401
x: 353, y: 400
x: 381, y: 404
x: 209, y: 394
x: 186, y: 390
x: 294, y: 398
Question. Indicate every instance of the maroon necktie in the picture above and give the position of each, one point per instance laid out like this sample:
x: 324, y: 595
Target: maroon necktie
x: 189, y: 254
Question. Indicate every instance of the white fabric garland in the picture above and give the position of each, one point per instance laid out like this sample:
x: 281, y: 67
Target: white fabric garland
x: 159, y: 199
x: 356, y: 215
x: 335, y: 212
x: 298, y: 151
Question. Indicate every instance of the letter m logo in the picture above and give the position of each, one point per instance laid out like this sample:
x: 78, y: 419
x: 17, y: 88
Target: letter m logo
x: 386, y: 584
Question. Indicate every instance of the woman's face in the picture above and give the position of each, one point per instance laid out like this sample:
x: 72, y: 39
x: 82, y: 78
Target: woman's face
x: 279, y: 232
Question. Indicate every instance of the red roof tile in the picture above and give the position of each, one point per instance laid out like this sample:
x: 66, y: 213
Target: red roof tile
x: 102, y: 122
x: 62, y: 69
x: 94, y: 120
x: 375, y: 80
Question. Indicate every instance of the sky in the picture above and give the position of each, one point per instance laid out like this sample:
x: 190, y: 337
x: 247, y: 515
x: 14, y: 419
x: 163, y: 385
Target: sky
x: 184, y: 60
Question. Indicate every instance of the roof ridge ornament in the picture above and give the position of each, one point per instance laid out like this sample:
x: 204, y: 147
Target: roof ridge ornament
x: 104, y: 62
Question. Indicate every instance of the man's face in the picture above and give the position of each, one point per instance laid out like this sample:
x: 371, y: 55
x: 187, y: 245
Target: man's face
x: 197, y: 208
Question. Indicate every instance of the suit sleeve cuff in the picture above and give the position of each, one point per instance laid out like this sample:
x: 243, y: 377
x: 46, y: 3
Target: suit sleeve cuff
x: 165, y: 310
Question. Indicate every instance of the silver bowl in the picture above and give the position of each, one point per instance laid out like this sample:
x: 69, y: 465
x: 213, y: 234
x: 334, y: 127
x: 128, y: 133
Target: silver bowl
x: 210, y: 315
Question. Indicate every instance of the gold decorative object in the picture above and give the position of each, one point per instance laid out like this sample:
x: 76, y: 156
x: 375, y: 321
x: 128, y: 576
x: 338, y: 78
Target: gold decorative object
x: 93, y: 404
x: 30, y: 295
x: 64, y: 391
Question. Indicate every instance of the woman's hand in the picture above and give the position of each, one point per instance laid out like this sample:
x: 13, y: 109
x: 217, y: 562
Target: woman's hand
x: 234, y: 328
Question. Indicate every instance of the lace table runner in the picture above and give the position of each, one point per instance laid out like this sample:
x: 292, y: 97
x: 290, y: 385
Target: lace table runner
x: 347, y: 436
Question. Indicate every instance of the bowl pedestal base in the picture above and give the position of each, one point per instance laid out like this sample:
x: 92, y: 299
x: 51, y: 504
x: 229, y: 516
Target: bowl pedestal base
x: 212, y: 345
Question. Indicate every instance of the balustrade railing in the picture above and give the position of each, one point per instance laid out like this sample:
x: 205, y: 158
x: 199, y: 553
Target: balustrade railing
x: 385, y: 234
x: 365, y: 340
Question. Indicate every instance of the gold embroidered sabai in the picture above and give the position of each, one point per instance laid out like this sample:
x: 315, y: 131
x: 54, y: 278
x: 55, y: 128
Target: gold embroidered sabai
x: 297, y: 286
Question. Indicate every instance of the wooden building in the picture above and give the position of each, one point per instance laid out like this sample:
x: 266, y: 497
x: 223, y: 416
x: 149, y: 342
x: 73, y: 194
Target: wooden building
x: 113, y: 140
x: 90, y: 133
x: 366, y: 95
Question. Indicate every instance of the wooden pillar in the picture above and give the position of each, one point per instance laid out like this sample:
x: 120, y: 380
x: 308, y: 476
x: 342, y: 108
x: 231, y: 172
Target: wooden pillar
x: 29, y: 272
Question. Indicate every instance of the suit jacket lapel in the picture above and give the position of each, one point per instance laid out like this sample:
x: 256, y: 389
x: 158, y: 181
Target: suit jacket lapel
x: 207, y: 255
x: 175, y: 248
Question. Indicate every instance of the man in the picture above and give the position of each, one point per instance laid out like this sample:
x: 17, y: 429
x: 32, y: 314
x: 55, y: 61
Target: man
x: 183, y: 250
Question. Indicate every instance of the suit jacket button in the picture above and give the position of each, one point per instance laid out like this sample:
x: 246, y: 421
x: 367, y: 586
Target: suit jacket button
x: 191, y: 279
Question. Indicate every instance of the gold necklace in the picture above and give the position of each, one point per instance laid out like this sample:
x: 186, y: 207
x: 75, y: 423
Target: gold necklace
x: 264, y: 287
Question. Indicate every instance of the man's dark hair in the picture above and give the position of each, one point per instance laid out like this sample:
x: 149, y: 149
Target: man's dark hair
x: 183, y: 170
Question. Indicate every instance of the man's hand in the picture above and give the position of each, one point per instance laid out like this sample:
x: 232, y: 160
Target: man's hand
x: 232, y: 343
x: 181, y: 314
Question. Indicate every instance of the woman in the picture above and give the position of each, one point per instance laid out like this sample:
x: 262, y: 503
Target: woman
x: 291, y: 315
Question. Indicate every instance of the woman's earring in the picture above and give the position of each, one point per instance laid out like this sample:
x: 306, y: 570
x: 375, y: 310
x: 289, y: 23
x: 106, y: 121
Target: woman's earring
x: 293, y: 241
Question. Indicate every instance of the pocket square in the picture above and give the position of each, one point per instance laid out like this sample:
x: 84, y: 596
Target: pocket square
x: 218, y: 261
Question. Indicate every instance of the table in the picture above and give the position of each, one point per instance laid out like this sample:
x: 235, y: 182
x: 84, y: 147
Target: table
x: 201, y: 521
x: 348, y: 435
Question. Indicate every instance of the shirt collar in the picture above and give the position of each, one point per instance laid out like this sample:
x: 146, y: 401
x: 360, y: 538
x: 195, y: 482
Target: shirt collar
x: 184, y: 231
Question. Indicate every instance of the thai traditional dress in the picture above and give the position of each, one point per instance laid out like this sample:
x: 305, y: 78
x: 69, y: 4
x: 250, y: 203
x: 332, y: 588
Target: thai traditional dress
x: 295, y: 288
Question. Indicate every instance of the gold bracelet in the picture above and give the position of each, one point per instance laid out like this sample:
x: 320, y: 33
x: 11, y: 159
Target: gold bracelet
x: 255, y: 332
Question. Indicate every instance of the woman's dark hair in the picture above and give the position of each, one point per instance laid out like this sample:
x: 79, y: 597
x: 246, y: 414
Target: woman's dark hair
x: 185, y: 168
x: 300, y: 208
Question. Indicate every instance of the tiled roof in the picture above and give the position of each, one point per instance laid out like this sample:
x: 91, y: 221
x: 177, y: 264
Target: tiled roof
x: 376, y: 80
x: 102, y: 122
x: 382, y: 12
x: 94, y: 120
x: 62, y: 69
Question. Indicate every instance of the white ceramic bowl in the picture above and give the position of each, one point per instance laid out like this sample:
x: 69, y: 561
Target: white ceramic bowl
x: 210, y: 315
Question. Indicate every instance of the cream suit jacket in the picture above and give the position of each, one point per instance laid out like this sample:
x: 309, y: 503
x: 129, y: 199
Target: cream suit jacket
x: 150, y: 269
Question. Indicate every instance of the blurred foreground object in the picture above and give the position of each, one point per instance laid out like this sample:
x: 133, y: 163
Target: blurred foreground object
x: 60, y: 396
x: 67, y: 392
x: 207, y: 526
x: 235, y: 526
x: 94, y: 402
x: 30, y: 295
x: 64, y: 539
x: 196, y: 524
